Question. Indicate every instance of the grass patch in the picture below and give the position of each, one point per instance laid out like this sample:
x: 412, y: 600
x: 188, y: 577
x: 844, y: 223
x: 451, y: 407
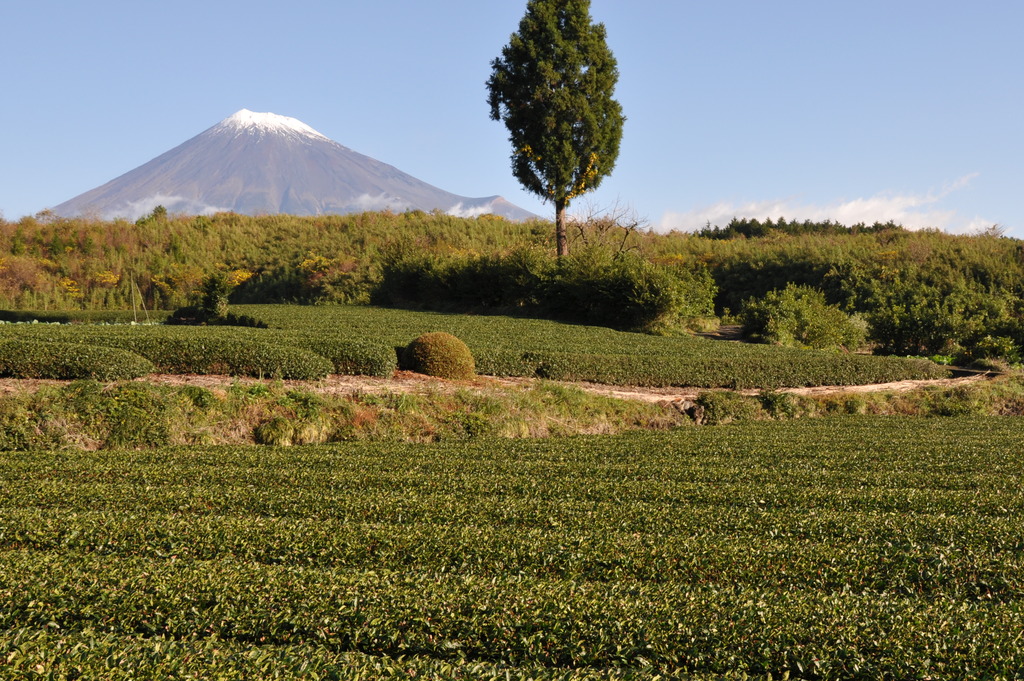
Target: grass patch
x: 92, y: 415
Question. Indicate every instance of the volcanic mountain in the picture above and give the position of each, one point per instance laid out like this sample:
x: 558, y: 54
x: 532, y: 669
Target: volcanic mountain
x: 263, y: 163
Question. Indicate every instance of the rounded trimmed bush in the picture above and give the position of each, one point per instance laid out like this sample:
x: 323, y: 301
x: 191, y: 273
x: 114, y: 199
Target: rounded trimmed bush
x: 440, y: 354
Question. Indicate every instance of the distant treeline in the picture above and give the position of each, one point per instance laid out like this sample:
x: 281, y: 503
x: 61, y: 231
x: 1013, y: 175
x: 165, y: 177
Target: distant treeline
x: 752, y: 228
x: 917, y: 292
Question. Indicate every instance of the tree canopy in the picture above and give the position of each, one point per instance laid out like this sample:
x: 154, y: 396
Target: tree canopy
x: 553, y: 87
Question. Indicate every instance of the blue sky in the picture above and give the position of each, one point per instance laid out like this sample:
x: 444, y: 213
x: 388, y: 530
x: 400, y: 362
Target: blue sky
x: 856, y: 111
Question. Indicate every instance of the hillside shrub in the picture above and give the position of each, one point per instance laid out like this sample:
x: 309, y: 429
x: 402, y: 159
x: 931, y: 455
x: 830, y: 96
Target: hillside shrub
x: 25, y: 424
x: 515, y: 280
x: 88, y: 413
x: 721, y: 407
x: 626, y: 291
x: 778, y: 404
x: 199, y: 397
x: 910, y: 316
x: 593, y: 286
x: 957, y: 401
x: 798, y: 316
x: 410, y: 280
x: 69, y: 361
x: 136, y: 415
x: 212, y: 307
x: 214, y: 295
x: 277, y: 432
x: 411, y: 277
x: 439, y: 354
x: 994, y: 348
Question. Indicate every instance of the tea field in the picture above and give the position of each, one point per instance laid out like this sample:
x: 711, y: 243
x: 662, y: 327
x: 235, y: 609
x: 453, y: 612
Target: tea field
x: 512, y: 346
x: 307, y: 342
x: 853, y: 547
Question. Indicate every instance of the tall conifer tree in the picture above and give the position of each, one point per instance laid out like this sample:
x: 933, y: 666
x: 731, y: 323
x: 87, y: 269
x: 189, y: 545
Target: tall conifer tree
x: 553, y: 87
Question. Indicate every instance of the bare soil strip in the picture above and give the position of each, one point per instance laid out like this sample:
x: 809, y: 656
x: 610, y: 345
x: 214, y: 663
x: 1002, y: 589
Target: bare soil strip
x: 677, y: 394
x: 407, y: 382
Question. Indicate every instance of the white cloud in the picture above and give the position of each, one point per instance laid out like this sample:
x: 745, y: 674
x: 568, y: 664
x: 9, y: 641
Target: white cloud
x: 369, y: 202
x: 174, y: 204
x: 913, y: 211
x: 460, y: 210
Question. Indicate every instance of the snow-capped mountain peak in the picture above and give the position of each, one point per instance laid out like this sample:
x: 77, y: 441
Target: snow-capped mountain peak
x: 263, y: 163
x: 254, y: 123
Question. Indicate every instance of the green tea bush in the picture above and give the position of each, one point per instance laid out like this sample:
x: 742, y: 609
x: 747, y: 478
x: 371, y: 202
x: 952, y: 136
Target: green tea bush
x: 194, y: 315
x: 504, y: 362
x: 230, y: 356
x: 579, y: 366
x: 69, y: 361
x: 366, y: 340
x: 196, y: 350
x: 439, y: 354
x: 637, y: 556
x: 350, y: 356
x: 799, y: 316
x: 83, y: 316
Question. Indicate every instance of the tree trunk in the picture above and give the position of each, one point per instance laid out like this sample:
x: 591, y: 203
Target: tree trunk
x: 560, y: 238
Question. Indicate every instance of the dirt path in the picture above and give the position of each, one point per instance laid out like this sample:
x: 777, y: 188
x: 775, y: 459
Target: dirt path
x: 676, y: 394
x: 408, y: 382
x: 725, y: 332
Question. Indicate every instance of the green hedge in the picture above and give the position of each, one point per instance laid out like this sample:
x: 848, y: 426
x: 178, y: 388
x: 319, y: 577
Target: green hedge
x: 69, y: 361
x: 83, y: 316
x: 230, y: 356
x: 193, y: 350
x: 799, y: 368
x: 352, y: 357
